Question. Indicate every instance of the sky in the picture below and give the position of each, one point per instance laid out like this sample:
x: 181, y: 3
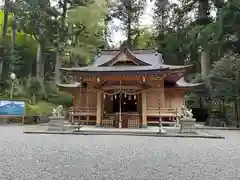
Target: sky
x: 145, y: 21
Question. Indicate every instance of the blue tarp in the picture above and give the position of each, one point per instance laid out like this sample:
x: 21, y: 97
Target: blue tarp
x: 14, y: 108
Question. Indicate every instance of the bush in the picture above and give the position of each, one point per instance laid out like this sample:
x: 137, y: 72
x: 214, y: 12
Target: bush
x: 40, y: 108
x: 61, y: 99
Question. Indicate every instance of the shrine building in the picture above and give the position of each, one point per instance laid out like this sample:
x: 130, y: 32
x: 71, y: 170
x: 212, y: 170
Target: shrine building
x: 127, y: 89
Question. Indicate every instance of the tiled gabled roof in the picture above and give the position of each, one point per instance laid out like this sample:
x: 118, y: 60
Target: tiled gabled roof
x: 149, y: 56
x: 153, y: 60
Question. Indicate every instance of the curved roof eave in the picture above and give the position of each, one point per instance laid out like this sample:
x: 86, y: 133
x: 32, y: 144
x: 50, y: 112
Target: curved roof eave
x: 182, y: 83
x: 175, y: 67
x: 149, y: 71
x: 128, y: 68
x: 74, y: 85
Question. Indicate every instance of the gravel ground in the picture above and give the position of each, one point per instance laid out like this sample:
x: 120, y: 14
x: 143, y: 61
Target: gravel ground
x: 69, y: 157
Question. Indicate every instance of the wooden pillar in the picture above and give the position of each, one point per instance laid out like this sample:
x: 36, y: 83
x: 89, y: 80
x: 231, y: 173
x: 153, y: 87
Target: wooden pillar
x: 144, y: 109
x: 99, y: 108
x: 162, y: 98
x: 86, y: 104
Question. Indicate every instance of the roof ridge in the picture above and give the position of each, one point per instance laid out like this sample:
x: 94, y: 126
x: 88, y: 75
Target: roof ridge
x: 128, y: 52
x: 153, y: 50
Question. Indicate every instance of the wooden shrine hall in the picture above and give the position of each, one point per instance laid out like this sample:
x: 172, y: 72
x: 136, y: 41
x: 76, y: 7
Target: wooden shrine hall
x: 127, y: 89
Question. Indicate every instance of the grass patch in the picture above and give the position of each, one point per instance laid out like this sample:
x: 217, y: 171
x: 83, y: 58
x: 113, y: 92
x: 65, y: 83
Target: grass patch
x: 40, y: 108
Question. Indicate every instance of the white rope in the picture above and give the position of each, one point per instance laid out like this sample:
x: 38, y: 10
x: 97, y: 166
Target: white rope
x: 121, y: 91
x: 111, y: 94
x: 132, y: 93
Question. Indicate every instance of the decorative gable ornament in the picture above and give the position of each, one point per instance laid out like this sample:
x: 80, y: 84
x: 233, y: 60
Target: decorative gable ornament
x: 123, y: 56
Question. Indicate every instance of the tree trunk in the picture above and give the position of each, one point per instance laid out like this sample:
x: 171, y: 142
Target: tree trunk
x: 203, y: 15
x: 59, y: 40
x: 57, y: 68
x: 4, y: 33
x: 1, y: 65
x: 129, y: 25
x: 58, y: 63
x: 40, y: 65
x: 75, y: 62
x: 64, y: 11
x: 203, y: 10
x: 205, y: 63
x: 5, y: 22
x: 38, y: 61
x: 14, y: 32
x: 106, y: 21
x: 236, y: 107
x: 238, y: 111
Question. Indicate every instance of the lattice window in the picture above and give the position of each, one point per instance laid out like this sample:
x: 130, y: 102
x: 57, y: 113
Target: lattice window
x: 107, y: 123
x: 133, y: 122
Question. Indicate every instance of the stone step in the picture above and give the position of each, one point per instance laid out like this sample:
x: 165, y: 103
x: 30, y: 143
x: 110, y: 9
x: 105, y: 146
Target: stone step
x: 56, y: 129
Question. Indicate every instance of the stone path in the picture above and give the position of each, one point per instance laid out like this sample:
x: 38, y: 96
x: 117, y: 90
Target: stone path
x: 93, y: 130
x: 201, y: 126
x: 58, y: 157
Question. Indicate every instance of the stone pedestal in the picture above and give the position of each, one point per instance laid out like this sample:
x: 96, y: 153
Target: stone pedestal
x: 187, y: 125
x: 144, y: 126
x: 56, y: 123
x: 98, y: 125
x: 216, y: 118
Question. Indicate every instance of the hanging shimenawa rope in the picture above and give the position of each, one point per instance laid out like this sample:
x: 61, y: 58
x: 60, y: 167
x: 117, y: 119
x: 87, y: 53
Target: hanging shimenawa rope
x: 111, y: 94
x: 131, y: 93
x: 126, y: 91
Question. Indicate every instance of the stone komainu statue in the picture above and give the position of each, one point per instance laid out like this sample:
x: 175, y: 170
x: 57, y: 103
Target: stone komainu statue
x: 58, y: 111
x: 187, y: 112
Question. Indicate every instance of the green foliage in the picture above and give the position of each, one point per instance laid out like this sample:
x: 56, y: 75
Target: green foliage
x: 2, y: 21
x: 226, y: 73
x: 128, y: 12
x: 144, y: 39
x: 57, y: 97
x: 35, y: 18
x: 172, y: 33
x: 61, y: 99
x: 79, y: 29
x: 40, y: 108
x: 5, y: 57
x: 21, y: 62
x: 86, y: 34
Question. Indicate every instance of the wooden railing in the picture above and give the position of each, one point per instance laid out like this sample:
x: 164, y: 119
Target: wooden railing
x: 164, y: 112
x: 110, y: 120
x: 77, y: 110
x: 169, y: 116
x: 82, y: 115
x: 129, y: 120
x: 108, y: 123
x: 134, y: 121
